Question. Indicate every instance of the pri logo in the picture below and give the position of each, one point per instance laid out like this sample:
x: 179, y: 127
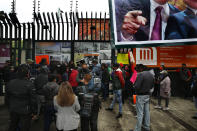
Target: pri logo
x: 146, y: 56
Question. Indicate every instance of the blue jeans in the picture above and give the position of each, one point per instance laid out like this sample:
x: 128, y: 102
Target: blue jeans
x: 118, y: 97
x: 105, y: 90
x: 143, y: 112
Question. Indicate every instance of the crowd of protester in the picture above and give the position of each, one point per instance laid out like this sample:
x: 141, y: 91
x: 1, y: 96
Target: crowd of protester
x: 70, y: 95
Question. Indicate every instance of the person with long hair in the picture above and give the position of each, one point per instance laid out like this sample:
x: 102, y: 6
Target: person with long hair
x: 67, y: 106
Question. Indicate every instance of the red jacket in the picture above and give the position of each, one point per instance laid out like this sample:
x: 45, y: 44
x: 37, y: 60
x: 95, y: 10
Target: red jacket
x: 72, y: 78
x: 119, y: 74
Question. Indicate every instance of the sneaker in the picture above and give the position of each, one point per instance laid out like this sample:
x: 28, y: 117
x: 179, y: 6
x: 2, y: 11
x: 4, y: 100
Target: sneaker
x: 166, y: 108
x: 119, y: 116
x: 158, y: 107
x: 109, y: 109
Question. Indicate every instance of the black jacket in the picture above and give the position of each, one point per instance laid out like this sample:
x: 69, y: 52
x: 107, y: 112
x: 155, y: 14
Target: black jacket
x: 49, y: 91
x: 21, y: 96
x: 144, y: 83
x: 105, y: 76
x: 40, y: 81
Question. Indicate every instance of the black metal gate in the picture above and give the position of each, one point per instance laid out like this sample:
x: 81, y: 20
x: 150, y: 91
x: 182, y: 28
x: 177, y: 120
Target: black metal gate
x: 47, y: 27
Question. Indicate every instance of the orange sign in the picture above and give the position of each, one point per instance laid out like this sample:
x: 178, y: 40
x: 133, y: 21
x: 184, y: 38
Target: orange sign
x: 40, y: 57
x: 171, y: 56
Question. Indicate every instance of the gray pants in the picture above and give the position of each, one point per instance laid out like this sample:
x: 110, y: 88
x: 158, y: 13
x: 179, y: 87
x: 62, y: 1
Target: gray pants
x: 143, y: 112
x: 166, y: 101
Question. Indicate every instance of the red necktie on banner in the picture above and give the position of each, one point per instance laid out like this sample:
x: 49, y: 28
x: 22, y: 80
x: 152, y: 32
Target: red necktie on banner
x: 157, y: 28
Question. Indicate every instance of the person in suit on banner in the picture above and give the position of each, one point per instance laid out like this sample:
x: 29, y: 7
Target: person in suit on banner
x: 141, y: 20
x: 183, y: 25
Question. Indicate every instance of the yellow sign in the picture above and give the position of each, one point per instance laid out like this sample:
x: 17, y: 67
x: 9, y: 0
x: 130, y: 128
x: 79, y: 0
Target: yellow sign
x: 78, y: 57
x: 122, y: 58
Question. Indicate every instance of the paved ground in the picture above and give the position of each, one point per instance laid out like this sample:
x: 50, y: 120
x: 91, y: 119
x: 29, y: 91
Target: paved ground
x: 178, y: 118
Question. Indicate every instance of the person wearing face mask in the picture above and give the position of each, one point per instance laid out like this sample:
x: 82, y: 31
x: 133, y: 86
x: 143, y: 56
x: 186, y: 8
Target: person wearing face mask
x: 183, y: 25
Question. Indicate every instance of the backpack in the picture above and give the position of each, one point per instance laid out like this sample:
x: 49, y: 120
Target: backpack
x: 89, y: 102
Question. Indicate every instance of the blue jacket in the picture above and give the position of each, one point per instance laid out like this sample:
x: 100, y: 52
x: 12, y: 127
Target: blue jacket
x: 182, y: 25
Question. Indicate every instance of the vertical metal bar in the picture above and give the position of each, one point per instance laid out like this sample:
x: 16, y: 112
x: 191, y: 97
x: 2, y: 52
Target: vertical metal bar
x: 46, y: 26
x: 19, y: 44
x: 95, y: 25
x: 91, y: 25
x: 104, y: 25
x: 10, y: 36
x: 79, y: 25
x: 67, y: 25
x: 15, y: 43
x: 50, y: 29
x: 33, y: 42
x: 62, y: 26
x: 86, y: 25
x: 113, y: 54
x: 2, y: 30
x: 71, y: 25
x: 24, y: 36
x: 29, y: 40
x: 82, y: 24
x: 41, y: 22
x: 58, y: 25
x: 6, y: 29
x: 109, y: 30
x: 74, y: 25
x: 72, y: 50
x: 38, y: 26
x: 54, y: 25
x: 100, y: 26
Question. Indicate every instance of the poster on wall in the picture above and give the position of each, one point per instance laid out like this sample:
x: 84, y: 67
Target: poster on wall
x: 172, y: 56
x: 153, y: 22
x: 4, y: 54
x: 57, y: 51
x: 78, y: 57
x: 89, y: 51
x: 40, y: 57
x: 48, y: 48
x: 66, y: 58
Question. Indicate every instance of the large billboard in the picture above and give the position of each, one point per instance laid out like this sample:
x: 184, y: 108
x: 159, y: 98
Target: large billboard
x: 171, y: 56
x: 153, y: 22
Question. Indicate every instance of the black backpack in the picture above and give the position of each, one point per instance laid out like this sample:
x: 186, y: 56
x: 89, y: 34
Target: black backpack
x: 89, y: 102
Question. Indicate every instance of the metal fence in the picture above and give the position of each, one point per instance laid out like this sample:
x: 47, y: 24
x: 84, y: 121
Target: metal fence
x: 68, y: 26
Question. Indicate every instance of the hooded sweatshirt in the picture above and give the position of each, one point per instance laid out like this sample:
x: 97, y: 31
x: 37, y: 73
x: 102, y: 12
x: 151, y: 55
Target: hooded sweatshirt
x: 49, y: 91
